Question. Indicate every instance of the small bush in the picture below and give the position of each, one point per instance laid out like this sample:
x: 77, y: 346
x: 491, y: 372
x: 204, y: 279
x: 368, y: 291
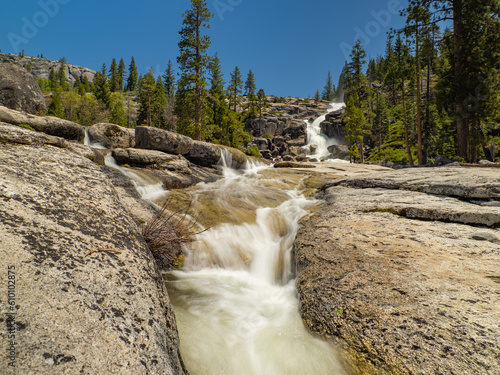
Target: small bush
x: 268, y: 136
x: 253, y: 151
x: 166, y: 232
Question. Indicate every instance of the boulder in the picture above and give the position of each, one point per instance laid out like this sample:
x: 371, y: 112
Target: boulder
x: 20, y: 91
x: 204, y: 154
x: 89, y: 295
x: 150, y: 158
x: 262, y: 143
x: 296, y: 131
x: 46, y: 124
x: 339, y: 152
x: 13, y: 134
x: 147, y: 137
x: 111, y: 135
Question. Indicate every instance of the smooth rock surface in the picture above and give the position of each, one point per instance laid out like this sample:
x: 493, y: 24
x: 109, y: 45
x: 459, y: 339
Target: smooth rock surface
x: 405, y: 296
x: 20, y: 91
x: 111, y: 135
x: 46, y: 124
x: 204, y: 154
x: 98, y: 313
x: 147, y: 137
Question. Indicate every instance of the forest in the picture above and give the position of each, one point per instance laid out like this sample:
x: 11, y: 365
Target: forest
x: 434, y: 91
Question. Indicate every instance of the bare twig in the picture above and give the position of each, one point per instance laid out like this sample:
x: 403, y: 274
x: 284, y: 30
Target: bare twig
x: 104, y: 250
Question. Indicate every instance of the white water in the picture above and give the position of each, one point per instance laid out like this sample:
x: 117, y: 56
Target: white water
x: 235, y: 300
x: 315, y: 137
x: 148, y: 187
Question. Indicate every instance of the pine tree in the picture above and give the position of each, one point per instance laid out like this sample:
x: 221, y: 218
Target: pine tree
x: 55, y: 107
x: 147, y: 86
x: 193, y: 62
x: 101, y: 88
x: 158, y: 105
x: 132, y: 76
x: 54, y: 81
x: 250, y: 90
x: 355, y: 125
x: 117, y: 113
x: 329, y: 89
x: 114, y: 78
x: 261, y: 100
x: 61, y: 75
x: 317, y: 96
x: 169, y: 80
x: 122, y: 72
x: 235, y: 88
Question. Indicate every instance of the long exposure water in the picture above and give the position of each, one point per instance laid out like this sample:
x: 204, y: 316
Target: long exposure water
x: 315, y: 137
x: 235, y: 300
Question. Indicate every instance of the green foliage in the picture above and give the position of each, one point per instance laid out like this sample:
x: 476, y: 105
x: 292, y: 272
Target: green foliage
x: 55, y: 107
x: 132, y: 80
x: 117, y: 114
x: 25, y: 126
x: 101, y: 88
x: 269, y: 136
x: 44, y: 84
x: 253, y: 151
x: 114, y: 77
x: 235, y: 88
x: 329, y: 89
x: 279, y: 99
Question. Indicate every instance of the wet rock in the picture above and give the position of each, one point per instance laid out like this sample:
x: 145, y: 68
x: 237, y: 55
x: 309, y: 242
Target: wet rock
x: 89, y: 294
x: 339, y: 152
x: 291, y: 164
x: 46, y: 124
x: 204, y: 154
x: 147, y: 137
x: 20, y: 91
x: 389, y: 266
x: 111, y: 135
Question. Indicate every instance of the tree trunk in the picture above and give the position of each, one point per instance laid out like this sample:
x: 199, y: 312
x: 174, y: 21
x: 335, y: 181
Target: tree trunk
x: 462, y: 125
x: 407, y: 137
x: 197, y: 105
x: 419, y: 101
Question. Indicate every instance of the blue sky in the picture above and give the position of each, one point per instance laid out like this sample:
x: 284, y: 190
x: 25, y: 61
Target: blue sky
x: 289, y: 45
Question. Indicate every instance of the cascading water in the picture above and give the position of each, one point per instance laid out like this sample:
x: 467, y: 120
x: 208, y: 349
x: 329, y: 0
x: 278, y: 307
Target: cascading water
x: 235, y: 300
x: 148, y: 187
x: 315, y: 137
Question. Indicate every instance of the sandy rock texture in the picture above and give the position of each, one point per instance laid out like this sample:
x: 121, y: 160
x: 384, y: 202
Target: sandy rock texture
x: 403, y: 268
x: 88, y: 293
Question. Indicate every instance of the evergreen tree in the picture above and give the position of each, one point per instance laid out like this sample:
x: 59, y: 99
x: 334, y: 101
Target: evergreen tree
x: 117, y: 113
x: 317, y: 96
x: 54, y: 81
x: 122, y: 72
x: 169, y: 80
x: 355, y: 125
x: 217, y: 97
x: 114, y: 78
x: 261, y: 100
x: 250, y: 90
x: 61, y: 75
x: 193, y: 62
x: 147, y: 87
x: 55, y: 107
x: 158, y: 105
x: 329, y: 89
x: 356, y: 80
x: 235, y: 88
x: 132, y: 76
x: 86, y: 84
x: 101, y: 88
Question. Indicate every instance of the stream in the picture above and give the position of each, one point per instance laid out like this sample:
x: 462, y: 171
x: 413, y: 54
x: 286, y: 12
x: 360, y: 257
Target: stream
x: 234, y: 299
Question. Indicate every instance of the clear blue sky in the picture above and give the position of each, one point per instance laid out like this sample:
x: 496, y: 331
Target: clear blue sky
x: 289, y: 45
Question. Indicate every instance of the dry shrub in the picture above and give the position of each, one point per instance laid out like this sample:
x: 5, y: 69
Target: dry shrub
x: 166, y: 232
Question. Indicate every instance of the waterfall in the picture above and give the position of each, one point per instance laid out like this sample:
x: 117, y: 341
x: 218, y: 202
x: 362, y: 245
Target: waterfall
x: 315, y: 137
x: 235, y: 300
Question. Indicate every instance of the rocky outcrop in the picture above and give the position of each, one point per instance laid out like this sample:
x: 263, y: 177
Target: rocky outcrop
x: 204, y: 154
x: 12, y: 134
x: 333, y: 126
x: 151, y: 159
x: 339, y: 152
x: 111, y: 135
x: 89, y: 297
x: 403, y: 267
x: 19, y: 90
x: 46, y: 124
x: 151, y: 138
x: 40, y: 68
